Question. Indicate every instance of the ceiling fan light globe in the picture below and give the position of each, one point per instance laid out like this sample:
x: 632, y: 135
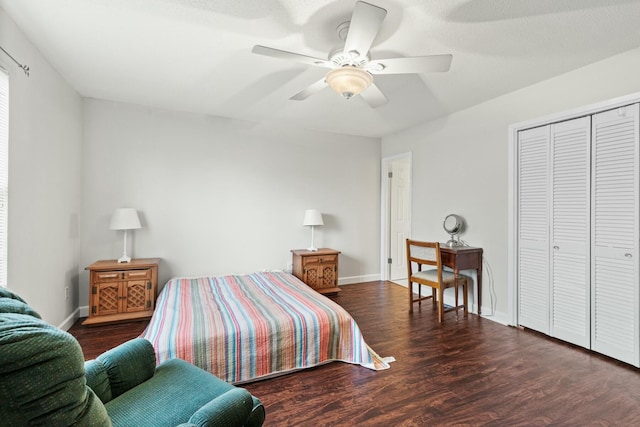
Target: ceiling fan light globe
x: 349, y: 81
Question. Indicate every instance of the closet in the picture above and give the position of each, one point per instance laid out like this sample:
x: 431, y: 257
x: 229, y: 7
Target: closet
x: 576, y: 230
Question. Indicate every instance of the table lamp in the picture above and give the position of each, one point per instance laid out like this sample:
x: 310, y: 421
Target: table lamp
x: 125, y: 219
x: 312, y: 217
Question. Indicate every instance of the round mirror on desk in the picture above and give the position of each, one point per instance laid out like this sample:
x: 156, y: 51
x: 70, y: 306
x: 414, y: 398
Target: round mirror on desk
x: 453, y: 224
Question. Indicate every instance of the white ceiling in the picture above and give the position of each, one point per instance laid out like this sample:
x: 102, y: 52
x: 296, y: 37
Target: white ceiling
x: 195, y: 55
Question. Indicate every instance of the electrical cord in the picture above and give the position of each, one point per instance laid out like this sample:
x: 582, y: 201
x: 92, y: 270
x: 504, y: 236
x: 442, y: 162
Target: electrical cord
x: 492, y: 290
x: 486, y: 267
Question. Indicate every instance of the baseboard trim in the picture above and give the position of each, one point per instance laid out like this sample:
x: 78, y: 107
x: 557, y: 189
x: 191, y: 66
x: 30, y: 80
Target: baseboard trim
x: 498, y: 317
x: 84, y: 311
x: 358, y: 279
x: 70, y: 320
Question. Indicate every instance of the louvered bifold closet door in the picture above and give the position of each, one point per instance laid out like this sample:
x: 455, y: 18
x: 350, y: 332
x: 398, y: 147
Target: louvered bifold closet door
x: 533, y: 228
x: 614, y: 277
x: 570, y: 230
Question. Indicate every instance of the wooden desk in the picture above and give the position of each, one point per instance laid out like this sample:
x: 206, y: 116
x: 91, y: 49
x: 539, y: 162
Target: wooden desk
x: 464, y: 258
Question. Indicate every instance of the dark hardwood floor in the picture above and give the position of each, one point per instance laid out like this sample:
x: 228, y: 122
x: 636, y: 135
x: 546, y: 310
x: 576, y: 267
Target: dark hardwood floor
x: 467, y: 371
x: 97, y: 339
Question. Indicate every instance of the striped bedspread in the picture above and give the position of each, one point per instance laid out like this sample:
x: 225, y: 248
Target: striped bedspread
x: 253, y: 326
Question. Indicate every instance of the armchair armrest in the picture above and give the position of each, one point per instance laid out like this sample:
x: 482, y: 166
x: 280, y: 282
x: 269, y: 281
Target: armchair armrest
x: 128, y: 365
x: 98, y: 380
x: 229, y: 409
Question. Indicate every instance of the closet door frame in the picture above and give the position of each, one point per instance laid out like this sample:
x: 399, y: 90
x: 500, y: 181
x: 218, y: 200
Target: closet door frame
x: 512, y: 219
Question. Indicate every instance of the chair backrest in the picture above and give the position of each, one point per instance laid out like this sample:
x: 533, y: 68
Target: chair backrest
x: 42, y: 379
x: 423, y: 253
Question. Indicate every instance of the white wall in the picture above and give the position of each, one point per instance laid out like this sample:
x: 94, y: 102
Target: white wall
x: 460, y: 162
x: 221, y: 196
x: 45, y: 131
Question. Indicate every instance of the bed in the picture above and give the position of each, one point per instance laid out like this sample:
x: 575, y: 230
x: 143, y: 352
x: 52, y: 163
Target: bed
x: 248, y: 327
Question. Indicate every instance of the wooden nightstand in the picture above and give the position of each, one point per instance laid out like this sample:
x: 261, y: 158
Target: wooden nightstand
x: 122, y: 291
x: 318, y: 269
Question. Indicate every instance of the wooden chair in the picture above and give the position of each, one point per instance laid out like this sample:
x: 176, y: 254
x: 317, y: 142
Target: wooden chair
x: 428, y: 253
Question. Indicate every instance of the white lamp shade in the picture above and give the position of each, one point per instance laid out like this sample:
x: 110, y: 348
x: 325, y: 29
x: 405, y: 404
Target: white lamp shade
x: 312, y: 217
x: 124, y: 219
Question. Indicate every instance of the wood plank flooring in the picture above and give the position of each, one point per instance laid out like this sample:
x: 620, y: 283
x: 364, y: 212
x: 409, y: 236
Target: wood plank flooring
x: 467, y: 371
x: 97, y: 339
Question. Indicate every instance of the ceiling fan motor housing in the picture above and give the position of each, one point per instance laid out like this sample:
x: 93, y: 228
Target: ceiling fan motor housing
x: 341, y: 58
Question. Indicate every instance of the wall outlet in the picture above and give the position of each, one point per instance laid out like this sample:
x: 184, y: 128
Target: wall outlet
x: 66, y: 293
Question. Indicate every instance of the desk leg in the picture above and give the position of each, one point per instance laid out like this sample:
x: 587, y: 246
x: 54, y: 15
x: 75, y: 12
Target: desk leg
x: 479, y: 270
x: 456, y: 274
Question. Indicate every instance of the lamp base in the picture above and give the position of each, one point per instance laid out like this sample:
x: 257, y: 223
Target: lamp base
x: 312, y: 249
x: 124, y: 258
x: 453, y: 243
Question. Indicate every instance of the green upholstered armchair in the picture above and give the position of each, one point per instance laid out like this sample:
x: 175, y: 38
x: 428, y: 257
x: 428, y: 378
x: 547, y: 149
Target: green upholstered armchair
x: 45, y: 381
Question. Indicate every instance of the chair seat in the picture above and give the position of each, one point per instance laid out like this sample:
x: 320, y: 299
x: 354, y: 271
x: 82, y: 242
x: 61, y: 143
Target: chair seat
x: 432, y: 276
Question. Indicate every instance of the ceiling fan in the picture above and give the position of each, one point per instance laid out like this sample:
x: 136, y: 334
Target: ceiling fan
x: 352, y: 68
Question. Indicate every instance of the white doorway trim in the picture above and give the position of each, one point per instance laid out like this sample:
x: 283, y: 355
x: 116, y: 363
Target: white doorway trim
x: 385, y: 209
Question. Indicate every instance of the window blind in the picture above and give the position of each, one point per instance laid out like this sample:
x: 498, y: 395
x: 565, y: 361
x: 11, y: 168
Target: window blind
x: 4, y: 172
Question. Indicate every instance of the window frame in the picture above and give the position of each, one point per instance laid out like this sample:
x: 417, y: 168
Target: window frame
x: 4, y: 172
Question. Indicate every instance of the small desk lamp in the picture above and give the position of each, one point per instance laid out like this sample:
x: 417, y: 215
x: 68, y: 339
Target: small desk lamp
x: 125, y: 219
x: 312, y: 217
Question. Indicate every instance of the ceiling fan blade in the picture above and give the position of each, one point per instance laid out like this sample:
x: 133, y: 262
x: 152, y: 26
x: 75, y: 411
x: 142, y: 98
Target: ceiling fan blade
x: 283, y: 54
x: 416, y: 64
x: 314, y: 88
x: 373, y: 96
x: 366, y: 21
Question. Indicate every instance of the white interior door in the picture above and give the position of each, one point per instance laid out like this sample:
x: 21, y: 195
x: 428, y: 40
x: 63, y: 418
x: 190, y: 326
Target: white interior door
x: 533, y: 228
x: 399, y: 216
x: 614, y: 278
x: 571, y: 230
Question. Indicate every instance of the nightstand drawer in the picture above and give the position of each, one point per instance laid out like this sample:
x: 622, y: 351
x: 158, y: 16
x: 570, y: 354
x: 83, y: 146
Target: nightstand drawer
x: 114, y: 276
x: 137, y: 274
x: 319, y: 259
x: 107, y: 276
